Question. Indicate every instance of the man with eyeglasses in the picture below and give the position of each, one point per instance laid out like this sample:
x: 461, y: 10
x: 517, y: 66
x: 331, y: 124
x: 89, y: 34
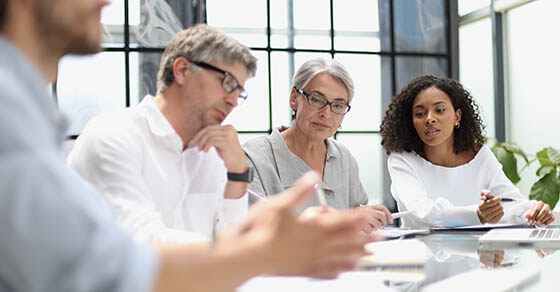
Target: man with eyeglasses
x: 168, y: 167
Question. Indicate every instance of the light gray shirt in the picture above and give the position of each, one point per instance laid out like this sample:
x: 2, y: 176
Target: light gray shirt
x: 277, y: 168
x: 56, y: 233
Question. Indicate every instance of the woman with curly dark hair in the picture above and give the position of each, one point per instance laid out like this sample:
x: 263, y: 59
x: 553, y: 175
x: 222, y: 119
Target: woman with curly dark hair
x: 439, y: 164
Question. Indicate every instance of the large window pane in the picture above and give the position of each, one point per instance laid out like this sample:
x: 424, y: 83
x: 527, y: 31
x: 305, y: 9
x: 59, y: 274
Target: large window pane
x: 468, y: 6
x: 476, y: 69
x: 158, y: 21
x: 533, y: 69
x: 410, y: 67
x: 308, y: 25
x: 87, y: 86
x: 367, y: 150
x: 243, y: 20
x: 420, y: 26
x: 143, y: 75
x: 253, y: 114
x: 243, y: 137
x: 112, y: 18
x: 365, y: 113
x: 355, y: 35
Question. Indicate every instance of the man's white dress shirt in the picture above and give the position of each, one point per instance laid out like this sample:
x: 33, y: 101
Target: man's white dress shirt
x: 159, y: 192
x: 449, y: 196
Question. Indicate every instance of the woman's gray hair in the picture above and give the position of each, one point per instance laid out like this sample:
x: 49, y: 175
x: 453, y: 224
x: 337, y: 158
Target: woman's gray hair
x: 314, y: 67
x: 202, y: 43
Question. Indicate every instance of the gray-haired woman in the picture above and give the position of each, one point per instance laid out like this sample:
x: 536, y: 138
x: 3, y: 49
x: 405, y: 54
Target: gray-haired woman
x: 320, y: 97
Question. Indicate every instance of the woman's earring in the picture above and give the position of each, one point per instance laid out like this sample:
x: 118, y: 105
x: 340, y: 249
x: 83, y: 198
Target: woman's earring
x: 457, y: 125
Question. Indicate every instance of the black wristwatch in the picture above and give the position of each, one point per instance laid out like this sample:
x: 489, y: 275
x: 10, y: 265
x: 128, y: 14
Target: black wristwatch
x: 246, y: 176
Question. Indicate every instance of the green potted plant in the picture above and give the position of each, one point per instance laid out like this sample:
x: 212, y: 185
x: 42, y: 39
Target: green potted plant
x: 547, y: 187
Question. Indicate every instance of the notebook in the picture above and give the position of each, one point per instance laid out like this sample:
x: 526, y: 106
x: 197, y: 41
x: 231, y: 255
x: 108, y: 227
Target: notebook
x: 522, y: 236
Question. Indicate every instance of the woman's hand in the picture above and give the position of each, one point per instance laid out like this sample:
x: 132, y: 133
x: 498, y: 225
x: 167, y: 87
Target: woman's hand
x: 489, y: 210
x: 377, y: 217
x: 540, y: 214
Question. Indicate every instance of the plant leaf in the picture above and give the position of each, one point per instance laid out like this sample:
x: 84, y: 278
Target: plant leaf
x: 509, y: 163
x: 553, y: 155
x: 546, y: 189
x: 543, y: 158
x: 516, y: 150
x: 545, y: 169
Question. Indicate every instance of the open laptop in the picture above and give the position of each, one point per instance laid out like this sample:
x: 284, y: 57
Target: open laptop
x: 522, y: 236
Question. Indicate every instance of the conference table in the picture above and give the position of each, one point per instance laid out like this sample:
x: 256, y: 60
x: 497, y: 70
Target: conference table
x: 456, y: 260
x: 451, y: 261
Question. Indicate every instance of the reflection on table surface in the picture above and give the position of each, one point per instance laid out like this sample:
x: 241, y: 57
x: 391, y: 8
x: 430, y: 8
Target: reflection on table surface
x: 452, y: 253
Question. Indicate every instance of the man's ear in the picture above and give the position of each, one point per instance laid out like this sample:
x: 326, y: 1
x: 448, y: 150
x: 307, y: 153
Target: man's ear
x: 293, y: 99
x: 181, y: 68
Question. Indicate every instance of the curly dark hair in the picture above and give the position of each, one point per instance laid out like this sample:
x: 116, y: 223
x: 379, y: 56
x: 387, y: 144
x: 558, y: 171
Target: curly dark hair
x: 397, y: 130
x: 3, y: 11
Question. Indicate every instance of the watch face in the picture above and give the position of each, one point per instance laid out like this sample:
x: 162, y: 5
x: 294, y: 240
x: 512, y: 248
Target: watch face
x: 250, y: 173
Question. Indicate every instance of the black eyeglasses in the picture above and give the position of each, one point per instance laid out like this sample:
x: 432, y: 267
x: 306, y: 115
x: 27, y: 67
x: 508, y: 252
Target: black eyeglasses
x: 229, y: 83
x: 317, y: 100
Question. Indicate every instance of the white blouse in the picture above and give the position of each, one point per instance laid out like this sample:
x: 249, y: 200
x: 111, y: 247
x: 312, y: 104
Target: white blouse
x: 449, y: 196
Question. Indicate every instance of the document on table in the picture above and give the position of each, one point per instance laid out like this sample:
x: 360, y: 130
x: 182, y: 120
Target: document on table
x: 390, y: 232
x: 481, y: 227
x: 406, y: 253
x: 358, y: 281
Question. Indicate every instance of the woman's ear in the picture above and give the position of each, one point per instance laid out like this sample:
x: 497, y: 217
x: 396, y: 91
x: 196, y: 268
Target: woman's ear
x: 294, y: 99
x: 458, y: 115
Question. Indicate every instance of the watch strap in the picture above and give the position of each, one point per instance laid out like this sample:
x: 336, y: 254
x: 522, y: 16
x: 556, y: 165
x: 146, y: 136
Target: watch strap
x: 246, y: 176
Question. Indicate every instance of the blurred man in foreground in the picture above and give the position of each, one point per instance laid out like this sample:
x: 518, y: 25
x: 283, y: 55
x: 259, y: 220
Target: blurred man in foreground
x: 57, y: 233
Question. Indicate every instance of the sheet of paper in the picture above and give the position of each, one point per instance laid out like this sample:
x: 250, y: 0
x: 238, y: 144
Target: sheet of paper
x: 481, y: 227
x: 398, y: 232
x: 395, y: 253
x: 351, y: 281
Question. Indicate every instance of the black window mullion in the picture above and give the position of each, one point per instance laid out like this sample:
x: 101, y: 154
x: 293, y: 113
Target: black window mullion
x: 331, y: 33
x: 126, y: 55
x: 498, y: 65
x: 392, y: 37
x: 268, y: 54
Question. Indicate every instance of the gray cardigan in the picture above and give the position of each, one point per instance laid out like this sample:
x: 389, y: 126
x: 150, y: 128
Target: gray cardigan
x: 277, y: 168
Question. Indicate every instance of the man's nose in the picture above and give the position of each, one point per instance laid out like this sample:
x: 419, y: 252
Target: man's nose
x: 233, y: 98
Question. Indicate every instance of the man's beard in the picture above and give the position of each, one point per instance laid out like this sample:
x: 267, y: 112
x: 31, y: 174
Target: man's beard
x: 56, y: 34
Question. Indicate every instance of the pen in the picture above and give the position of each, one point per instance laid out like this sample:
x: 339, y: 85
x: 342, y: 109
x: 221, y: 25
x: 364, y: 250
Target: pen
x: 256, y: 195
x: 321, y: 196
x: 490, y: 197
x: 400, y: 214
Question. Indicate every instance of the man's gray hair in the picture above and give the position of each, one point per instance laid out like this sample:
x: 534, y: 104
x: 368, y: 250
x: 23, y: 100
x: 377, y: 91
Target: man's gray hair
x: 202, y: 43
x: 314, y: 67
